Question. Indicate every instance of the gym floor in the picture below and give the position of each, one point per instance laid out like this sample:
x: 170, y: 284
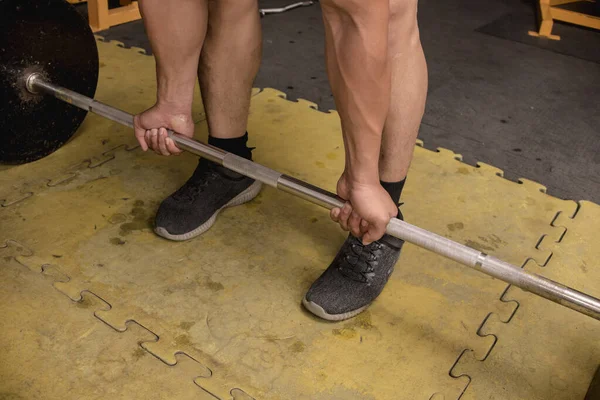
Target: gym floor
x: 94, y: 304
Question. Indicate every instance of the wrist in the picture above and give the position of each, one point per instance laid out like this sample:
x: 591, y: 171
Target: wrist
x: 362, y: 175
x: 175, y: 94
x: 362, y: 155
x: 173, y: 107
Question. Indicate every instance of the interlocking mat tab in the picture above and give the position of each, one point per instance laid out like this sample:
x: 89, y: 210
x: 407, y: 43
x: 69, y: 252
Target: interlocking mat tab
x: 545, y: 351
x: 219, y: 316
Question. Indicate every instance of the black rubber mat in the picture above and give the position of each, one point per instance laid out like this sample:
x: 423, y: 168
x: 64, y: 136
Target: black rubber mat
x: 574, y: 40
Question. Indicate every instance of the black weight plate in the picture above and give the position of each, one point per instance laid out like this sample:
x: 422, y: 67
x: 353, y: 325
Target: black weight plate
x: 49, y: 37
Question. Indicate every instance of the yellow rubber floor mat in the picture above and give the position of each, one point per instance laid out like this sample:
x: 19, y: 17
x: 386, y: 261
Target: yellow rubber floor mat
x: 545, y: 351
x: 229, y: 301
x: 55, y: 350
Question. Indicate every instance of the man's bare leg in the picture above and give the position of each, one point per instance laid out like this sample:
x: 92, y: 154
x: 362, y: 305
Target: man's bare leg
x: 176, y: 31
x: 360, y: 271
x: 409, y: 90
x: 228, y: 65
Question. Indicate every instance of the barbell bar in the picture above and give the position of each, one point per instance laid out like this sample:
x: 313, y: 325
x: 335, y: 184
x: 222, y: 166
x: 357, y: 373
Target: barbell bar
x: 492, y: 266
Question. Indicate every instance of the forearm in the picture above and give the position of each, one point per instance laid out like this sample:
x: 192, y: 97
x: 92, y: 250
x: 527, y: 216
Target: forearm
x: 176, y: 30
x: 360, y: 78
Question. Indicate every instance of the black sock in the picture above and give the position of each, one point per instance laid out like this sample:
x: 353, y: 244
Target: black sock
x: 395, y: 190
x: 236, y: 146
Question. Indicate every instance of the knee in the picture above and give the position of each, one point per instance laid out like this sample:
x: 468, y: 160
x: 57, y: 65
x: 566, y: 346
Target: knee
x: 352, y: 8
x: 339, y: 4
x: 232, y: 9
x: 404, y: 29
x: 400, y: 10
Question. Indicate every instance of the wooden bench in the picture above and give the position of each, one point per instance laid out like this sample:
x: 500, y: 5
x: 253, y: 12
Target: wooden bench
x: 550, y: 12
x: 101, y: 17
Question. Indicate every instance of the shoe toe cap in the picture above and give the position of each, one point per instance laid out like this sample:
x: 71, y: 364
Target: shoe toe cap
x: 336, y: 295
x: 172, y: 219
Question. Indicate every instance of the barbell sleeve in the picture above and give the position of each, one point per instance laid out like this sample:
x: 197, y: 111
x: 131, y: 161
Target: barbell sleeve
x: 460, y: 253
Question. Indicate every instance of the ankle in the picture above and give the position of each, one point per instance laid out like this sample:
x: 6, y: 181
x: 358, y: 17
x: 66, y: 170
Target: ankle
x: 394, y: 189
x: 235, y: 146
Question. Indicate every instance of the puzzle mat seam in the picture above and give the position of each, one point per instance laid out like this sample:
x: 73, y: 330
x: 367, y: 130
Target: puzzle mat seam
x: 202, y: 376
x: 470, y: 353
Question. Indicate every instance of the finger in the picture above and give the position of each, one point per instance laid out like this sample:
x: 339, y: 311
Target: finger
x: 335, y: 214
x: 375, y: 232
x: 171, y: 146
x: 140, y: 136
x: 162, y: 145
x: 154, y: 140
x: 139, y: 133
x: 141, y: 140
x: 148, y: 138
x: 364, y: 227
x: 344, y: 215
x: 354, y: 224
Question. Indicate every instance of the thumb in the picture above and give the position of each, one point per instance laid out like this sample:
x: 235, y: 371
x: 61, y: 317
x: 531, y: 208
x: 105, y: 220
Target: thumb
x: 368, y: 238
x: 139, y: 133
x: 374, y: 232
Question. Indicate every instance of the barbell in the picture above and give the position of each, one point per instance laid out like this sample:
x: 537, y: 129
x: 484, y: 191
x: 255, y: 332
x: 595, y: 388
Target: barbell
x: 39, y: 114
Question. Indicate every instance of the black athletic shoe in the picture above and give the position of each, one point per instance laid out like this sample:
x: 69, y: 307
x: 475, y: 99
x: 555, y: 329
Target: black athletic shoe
x: 193, y: 209
x: 354, y: 279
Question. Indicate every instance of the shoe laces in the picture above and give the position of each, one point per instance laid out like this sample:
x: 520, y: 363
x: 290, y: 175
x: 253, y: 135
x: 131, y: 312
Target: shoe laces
x: 196, y: 185
x: 360, y: 261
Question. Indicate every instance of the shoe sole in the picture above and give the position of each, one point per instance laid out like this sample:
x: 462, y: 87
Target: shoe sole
x: 321, y: 313
x: 251, y: 192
